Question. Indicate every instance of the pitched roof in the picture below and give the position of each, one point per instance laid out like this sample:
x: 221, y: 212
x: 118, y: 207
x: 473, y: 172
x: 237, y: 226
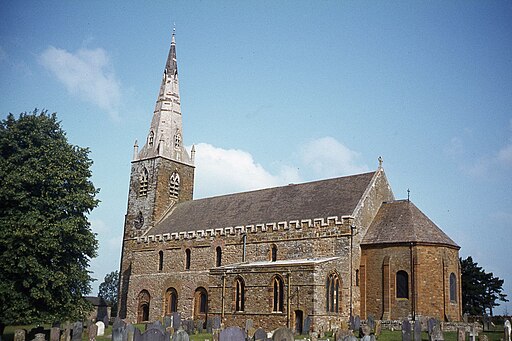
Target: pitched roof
x: 319, y: 199
x: 402, y: 222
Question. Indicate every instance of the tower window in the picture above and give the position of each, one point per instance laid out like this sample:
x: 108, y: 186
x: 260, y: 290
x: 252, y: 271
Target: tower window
x: 143, y: 307
x: 357, y: 278
x: 187, y: 259
x: 273, y: 253
x: 151, y: 138
x: 332, y: 288
x: 143, y: 182
x: 174, y: 184
x: 160, y: 260
x: 239, y: 294
x: 453, y: 287
x: 402, y: 284
x: 177, y: 140
x: 278, y: 297
x: 218, y: 259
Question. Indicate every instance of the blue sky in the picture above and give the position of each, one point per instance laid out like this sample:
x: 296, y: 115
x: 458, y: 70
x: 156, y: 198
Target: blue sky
x: 281, y: 92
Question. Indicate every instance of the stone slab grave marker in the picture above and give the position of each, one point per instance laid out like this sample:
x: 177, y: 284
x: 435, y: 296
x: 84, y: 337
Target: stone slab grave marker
x: 430, y: 325
x: 406, y: 330
x: 417, y: 330
x: 77, y: 331
x: 155, y: 332
x: 370, y: 322
x: 283, y: 334
x: 101, y: 328
x: 351, y: 324
x: 473, y: 333
x: 119, y: 330
x: 232, y: 334
x: 461, y: 334
x: 130, y: 332
x: 483, y: 337
x: 92, y: 332
x: 216, y: 322
x: 260, y: 334
x: 357, y: 324
x: 20, y: 335
x: 176, y: 320
x: 199, y: 325
x: 306, y: 328
x: 342, y: 334
x: 248, y: 324
x: 209, y: 324
x: 366, y: 338
x: 507, y: 330
x: 167, y: 321
x: 180, y: 335
x: 55, y: 334
x: 437, y: 333
x: 66, y: 332
x: 39, y: 337
x: 378, y: 328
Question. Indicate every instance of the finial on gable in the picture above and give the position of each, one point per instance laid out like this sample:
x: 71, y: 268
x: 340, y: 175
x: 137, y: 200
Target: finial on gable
x: 380, y: 162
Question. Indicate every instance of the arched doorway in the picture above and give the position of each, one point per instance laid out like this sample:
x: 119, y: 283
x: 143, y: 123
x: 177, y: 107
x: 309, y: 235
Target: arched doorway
x: 200, y: 304
x: 299, y: 320
x: 143, y: 307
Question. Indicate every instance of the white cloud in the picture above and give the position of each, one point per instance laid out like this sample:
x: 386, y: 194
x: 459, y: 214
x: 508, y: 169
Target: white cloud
x: 87, y: 73
x: 328, y: 157
x: 220, y: 171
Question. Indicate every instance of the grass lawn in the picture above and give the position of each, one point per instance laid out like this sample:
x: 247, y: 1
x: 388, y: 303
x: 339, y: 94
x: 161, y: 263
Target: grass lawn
x: 385, y: 336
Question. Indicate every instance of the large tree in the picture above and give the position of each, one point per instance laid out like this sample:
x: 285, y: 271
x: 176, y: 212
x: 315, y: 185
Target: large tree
x: 481, y: 291
x: 46, y: 240
x: 108, y: 290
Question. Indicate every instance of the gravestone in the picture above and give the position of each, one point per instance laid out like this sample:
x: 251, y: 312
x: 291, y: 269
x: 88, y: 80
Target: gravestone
x: 366, y: 338
x: 461, y: 334
x: 250, y: 333
x: 20, y: 335
x: 101, y: 328
x: 465, y: 317
x: 378, y: 328
x: 39, y: 337
x: 350, y: 338
x: 306, y: 328
x: 351, y: 323
x: 55, y: 334
x: 430, y: 325
x: 248, y: 325
x: 216, y: 322
x: 364, y: 330
x: 373, y: 338
x: 92, y: 332
x: 119, y: 330
x: 342, y: 334
x: 130, y: 332
x: 486, y: 323
x: 370, y: 322
x: 176, y: 320
x: 77, y: 331
x: 260, y: 335
x: 507, y: 330
x: 167, y: 321
x: 232, y: 334
x: 66, y: 332
x: 199, y: 326
x: 357, y: 323
x: 180, y: 335
x: 437, y: 333
x: 155, y: 332
x: 483, y: 337
x: 473, y: 333
x: 406, y: 330
x: 417, y: 330
x: 283, y: 334
x: 344, y: 325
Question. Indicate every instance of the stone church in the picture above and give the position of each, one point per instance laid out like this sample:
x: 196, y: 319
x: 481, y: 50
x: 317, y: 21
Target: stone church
x: 322, y: 250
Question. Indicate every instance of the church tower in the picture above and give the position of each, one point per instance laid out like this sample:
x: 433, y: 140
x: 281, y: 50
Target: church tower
x: 162, y: 172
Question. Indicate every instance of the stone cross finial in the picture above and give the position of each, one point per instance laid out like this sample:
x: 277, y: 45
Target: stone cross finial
x: 380, y: 161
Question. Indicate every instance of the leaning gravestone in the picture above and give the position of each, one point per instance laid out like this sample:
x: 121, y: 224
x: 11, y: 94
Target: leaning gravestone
x: 119, y: 330
x: 77, y: 331
x: 180, y: 335
x: 406, y: 330
x: 20, y: 335
x: 101, y: 328
x: 507, y: 330
x: 417, y: 330
x: 232, y: 334
x: 283, y: 334
x: 260, y: 335
x: 92, y: 332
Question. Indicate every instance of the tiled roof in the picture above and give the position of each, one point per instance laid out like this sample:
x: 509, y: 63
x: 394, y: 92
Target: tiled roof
x: 319, y: 199
x: 402, y: 222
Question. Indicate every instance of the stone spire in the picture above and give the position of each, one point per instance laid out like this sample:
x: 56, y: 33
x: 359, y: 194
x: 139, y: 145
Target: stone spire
x: 165, y: 134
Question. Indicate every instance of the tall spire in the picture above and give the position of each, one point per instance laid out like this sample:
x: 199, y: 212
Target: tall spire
x: 165, y: 134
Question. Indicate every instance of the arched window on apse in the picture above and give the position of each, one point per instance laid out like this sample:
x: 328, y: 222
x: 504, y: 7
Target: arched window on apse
x: 402, y: 284
x: 453, y: 287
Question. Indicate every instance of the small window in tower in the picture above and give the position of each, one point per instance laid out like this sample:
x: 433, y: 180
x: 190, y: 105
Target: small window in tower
x: 357, y: 278
x: 273, y: 253
x: 177, y: 140
x: 174, y: 185
x: 218, y: 260
x: 187, y: 259
x: 160, y: 260
x: 143, y: 183
x: 151, y: 138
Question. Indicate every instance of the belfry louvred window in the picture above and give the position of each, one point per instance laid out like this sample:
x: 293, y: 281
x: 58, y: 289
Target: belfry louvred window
x: 143, y: 182
x: 174, y: 185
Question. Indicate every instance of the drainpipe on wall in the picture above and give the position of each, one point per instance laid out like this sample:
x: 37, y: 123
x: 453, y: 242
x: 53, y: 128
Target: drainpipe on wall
x: 288, y: 300
x: 352, y: 228
x: 244, y: 238
x: 413, y: 293
x: 223, y: 294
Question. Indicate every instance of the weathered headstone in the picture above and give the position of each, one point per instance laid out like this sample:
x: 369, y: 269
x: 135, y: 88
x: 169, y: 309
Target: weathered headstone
x: 364, y: 330
x: 483, y: 337
x: 216, y: 322
x: 417, y: 330
x: 130, y: 332
x: 283, y: 334
x: 232, y: 334
x: 155, y: 332
x: 342, y: 334
x: 465, y: 318
x: 430, y: 325
x: 176, y: 320
x: 119, y: 330
x: 55, y: 334
x: 357, y: 323
x: 77, y: 331
x: 199, y: 326
x: 101, y: 328
x: 92, y: 332
x: 313, y: 336
x: 39, y: 337
x: 473, y: 333
x: 486, y: 322
x: 507, y: 330
x: 306, y: 328
x: 351, y: 323
x: 260, y: 335
x: 437, y: 333
x: 370, y: 322
x: 406, y: 330
x: 167, y: 321
x: 180, y: 335
x: 20, y: 335
x: 366, y: 338
x: 248, y: 325
x: 461, y: 334
x: 373, y: 338
x: 378, y: 328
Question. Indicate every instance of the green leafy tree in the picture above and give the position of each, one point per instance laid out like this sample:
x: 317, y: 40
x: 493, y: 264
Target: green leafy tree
x: 481, y: 291
x: 46, y: 240
x: 108, y: 290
